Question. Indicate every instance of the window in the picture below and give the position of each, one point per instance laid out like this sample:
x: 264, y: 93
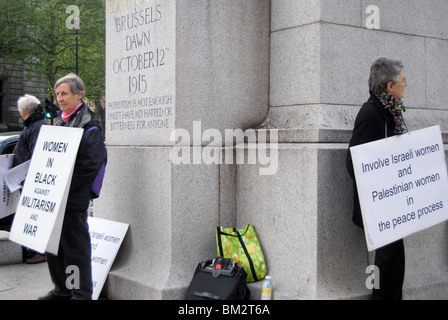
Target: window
x: 3, y: 104
x: 4, y: 101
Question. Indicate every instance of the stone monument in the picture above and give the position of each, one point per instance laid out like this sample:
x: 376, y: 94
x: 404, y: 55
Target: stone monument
x: 296, y: 70
x: 176, y: 70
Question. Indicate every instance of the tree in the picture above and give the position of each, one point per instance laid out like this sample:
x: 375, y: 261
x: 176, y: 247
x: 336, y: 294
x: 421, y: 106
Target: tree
x: 40, y: 33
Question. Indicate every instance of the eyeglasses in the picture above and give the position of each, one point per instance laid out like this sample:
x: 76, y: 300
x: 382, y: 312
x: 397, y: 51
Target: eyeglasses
x: 402, y: 81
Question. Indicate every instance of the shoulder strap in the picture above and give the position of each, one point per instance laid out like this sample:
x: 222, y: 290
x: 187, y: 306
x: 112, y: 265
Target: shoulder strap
x: 91, y: 128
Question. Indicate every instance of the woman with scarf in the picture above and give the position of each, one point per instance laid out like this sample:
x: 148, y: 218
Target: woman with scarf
x: 74, y: 246
x: 381, y: 117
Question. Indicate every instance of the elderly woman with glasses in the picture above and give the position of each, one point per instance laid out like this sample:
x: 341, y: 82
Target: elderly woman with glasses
x: 381, y: 117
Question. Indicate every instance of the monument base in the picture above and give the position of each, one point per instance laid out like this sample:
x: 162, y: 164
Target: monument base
x: 302, y: 215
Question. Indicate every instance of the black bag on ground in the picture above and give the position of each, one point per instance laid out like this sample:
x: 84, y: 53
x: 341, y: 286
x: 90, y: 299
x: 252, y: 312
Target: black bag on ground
x: 218, y: 279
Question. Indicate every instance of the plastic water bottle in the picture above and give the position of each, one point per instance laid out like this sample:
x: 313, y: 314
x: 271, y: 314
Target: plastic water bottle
x: 266, y: 292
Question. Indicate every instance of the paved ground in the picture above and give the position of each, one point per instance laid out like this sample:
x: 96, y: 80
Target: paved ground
x: 24, y: 281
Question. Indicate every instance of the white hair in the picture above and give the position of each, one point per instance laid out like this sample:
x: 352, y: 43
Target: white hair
x: 28, y: 103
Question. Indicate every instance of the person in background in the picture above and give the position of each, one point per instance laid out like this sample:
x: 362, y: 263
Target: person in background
x: 380, y: 117
x: 74, y: 246
x: 33, y: 116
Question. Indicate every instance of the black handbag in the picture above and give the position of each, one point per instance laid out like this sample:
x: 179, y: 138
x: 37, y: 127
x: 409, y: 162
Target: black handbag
x: 218, y: 279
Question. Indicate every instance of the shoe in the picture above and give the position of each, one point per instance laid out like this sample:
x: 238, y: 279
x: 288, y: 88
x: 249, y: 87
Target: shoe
x: 55, y: 296
x: 37, y: 258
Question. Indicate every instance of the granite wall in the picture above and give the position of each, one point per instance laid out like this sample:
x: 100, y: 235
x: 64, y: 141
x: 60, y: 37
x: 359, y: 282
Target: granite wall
x: 296, y: 70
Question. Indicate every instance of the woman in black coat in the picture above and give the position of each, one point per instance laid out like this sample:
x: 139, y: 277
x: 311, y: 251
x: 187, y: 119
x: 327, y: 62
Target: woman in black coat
x: 33, y: 117
x: 74, y: 245
x: 381, y: 117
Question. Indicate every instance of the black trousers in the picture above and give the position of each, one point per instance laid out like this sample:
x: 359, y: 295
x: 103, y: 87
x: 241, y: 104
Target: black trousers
x: 6, y: 222
x: 73, y: 259
x: 390, y: 260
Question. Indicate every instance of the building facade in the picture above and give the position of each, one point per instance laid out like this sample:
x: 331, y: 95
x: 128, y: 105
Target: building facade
x: 15, y: 81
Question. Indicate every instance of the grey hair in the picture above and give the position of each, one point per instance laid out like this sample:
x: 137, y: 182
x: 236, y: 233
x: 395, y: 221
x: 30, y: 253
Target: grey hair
x: 382, y: 72
x: 28, y: 103
x: 76, y: 84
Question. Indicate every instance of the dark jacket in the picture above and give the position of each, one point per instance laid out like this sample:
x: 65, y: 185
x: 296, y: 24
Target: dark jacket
x: 28, y: 137
x: 90, y: 157
x: 371, y: 124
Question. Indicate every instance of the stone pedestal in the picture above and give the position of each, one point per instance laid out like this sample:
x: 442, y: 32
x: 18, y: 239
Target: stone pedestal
x: 176, y: 71
x: 297, y: 69
x: 321, y: 54
x: 10, y: 252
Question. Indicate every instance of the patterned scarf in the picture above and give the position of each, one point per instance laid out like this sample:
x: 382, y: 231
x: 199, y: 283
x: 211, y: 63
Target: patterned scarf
x: 395, y: 107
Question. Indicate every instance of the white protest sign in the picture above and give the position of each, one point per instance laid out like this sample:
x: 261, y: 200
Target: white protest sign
x: 106, y: 237
x: 40, y: 212
x: 9, y: 201
x: 402, y: 185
